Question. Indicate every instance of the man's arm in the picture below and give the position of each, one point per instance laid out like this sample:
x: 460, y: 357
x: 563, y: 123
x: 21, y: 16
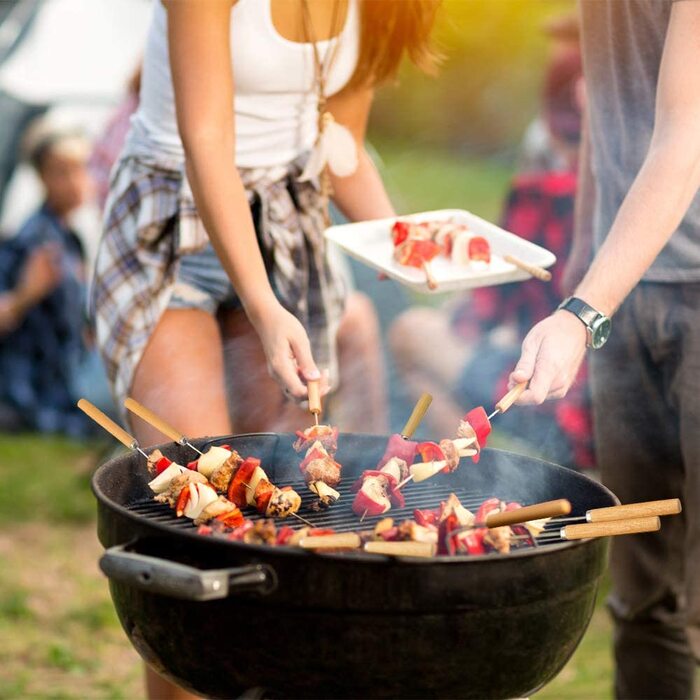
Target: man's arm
x: 652, y: 210
x: 582, y: 244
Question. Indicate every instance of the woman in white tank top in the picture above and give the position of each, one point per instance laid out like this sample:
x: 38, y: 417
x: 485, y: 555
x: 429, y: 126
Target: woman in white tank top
x: 229, y: 112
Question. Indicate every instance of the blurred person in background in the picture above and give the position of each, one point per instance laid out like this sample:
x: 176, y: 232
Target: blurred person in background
x: 46, y: 358
x: 639, y: 207
x: 213, y: 256
x: 479, y: 336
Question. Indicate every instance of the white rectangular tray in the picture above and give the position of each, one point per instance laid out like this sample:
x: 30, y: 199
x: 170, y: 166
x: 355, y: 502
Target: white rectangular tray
x: 371, y: 243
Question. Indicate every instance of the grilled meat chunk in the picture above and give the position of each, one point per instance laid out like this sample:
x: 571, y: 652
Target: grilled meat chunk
x: 172, y: 493
x: 221, y: 476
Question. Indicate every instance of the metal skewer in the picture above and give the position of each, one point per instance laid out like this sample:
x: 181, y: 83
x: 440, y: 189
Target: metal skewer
x: 158, y: 423
x: 110, y: 426
x: 670, y: 506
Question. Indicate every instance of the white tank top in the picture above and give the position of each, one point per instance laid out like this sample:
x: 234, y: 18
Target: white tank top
x: 275, y: 94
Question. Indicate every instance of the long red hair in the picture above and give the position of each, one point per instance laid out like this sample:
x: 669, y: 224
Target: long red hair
x: 390, y: 29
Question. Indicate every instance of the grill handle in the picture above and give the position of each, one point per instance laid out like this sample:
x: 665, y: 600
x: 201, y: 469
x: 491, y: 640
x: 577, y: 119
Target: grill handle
x: 176, y: 580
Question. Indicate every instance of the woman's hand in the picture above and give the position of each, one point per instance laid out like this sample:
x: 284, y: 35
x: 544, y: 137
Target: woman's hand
x: 551, y: 356
x: 288, y: 351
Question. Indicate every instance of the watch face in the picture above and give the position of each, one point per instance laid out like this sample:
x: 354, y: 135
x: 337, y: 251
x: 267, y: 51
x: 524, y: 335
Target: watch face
x: 600, y: 332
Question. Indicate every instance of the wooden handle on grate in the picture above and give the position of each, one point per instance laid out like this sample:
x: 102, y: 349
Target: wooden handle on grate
x: 537, y: 511
x: 607, y: 529
x: 343, y: 540
x: 670, y: 506
x: 511, y: 397
x: 401, y: 549
x: 535, y: 270
x: 314, y: 389
x: 419, y: 410
x: 107, y: 423
x: 152, y: 419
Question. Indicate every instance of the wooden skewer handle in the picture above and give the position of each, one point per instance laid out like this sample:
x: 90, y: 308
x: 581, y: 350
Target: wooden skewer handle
x: 432, y: 283
x: 314, y: 388
x: 419, y: 410
x: 152, y: 419
x: 344, y: 540
x: 607, y: 529
x: 548, y: 509
x: 535, y: 270
x: 107, y: 423
x: 401, y: 549
x: 511, y: 397
x: 671, y: 506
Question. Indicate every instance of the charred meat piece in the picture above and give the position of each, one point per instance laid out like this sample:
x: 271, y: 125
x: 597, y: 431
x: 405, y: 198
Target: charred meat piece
x: 221, y: 477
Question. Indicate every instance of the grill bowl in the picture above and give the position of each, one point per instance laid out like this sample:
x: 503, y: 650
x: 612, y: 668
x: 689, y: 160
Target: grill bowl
x: 357, y: 625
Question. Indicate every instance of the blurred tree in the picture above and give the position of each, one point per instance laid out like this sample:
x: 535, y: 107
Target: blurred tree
x: 489, y: 86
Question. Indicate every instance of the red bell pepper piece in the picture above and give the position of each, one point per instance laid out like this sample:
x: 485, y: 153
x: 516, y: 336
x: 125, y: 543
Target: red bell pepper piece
x: 193, y: 464
x: 232, y: 519
x: 162, y: 464
x: 318, y: 531
x: 182, y: 500
x: 238, y: 486
x: 263, y: 494
x: 446, y: 543
x: 479, y: 249
x: 479, y: 421
x: 473, y: 541
x: 430, y: 452
x: 426, y: 517
x: 399, y: 231
x: 284, y: 534
x: 490, y: 505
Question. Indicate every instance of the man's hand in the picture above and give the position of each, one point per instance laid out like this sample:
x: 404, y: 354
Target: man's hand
x: 551, y: 356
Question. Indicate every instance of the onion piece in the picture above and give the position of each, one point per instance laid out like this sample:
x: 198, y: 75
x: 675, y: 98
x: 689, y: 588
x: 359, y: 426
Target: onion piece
x: 201, y: 495
x: 162, y: 482
x: 212, y: 459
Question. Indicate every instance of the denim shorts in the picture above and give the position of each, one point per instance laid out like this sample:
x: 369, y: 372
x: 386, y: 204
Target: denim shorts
x: 202, y: 283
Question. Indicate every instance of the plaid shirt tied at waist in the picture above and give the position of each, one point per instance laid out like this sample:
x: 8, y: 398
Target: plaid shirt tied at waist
x: 151, y: 221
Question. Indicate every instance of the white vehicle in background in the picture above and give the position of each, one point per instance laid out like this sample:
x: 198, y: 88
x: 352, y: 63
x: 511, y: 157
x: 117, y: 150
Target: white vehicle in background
x: 71, y: 60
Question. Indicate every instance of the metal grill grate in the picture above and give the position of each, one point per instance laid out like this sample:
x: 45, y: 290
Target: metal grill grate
x: 340, y: 517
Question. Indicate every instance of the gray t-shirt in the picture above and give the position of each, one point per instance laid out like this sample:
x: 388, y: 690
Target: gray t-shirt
x: 623, y: 43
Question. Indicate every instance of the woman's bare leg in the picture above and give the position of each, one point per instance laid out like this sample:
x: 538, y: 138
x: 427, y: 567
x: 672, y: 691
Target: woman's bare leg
x: 360, y: 404
x: 181, y: 378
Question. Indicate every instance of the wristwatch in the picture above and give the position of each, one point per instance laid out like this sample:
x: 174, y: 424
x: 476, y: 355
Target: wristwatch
x: 597, y: 325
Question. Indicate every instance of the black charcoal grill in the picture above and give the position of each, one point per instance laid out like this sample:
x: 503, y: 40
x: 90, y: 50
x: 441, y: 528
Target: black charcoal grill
x: 219, y: 617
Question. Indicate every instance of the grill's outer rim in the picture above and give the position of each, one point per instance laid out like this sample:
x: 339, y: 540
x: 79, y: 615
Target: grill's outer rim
x: 357, y: 556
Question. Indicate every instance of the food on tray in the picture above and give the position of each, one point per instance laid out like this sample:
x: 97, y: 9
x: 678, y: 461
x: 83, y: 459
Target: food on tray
x: 417, y: 243
x: 321, y: 472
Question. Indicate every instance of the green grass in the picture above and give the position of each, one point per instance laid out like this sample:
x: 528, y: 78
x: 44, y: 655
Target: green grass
x: 421, y: 180
x: 46, y: 479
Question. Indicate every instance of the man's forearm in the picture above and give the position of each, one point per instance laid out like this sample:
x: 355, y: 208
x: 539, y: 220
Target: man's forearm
x: 582, y: 244
x: 654, y: 207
